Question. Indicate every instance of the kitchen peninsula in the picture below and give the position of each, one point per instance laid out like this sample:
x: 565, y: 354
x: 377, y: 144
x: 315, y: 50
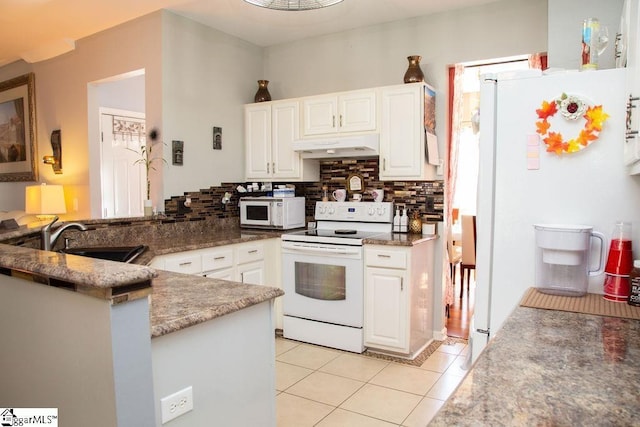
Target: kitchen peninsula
x: 128, y: 335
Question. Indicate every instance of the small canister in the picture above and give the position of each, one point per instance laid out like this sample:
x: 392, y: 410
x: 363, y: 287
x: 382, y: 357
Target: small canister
x: 634, y: 279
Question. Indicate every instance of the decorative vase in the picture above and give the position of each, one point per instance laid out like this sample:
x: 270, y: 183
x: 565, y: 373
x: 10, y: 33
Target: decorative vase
x: 262, y: 94
x: 414, y: 73
x: 415, y: 225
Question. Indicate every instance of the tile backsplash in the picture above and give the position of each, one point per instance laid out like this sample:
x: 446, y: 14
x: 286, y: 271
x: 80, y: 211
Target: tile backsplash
x: 427, y: 197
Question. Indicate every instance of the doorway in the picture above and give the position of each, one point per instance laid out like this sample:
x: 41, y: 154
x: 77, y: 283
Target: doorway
x: 465, y: 128
x: 122, y: 96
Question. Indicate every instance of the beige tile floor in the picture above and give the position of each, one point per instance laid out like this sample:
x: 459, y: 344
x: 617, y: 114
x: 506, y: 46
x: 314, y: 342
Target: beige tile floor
x: 318, y: 386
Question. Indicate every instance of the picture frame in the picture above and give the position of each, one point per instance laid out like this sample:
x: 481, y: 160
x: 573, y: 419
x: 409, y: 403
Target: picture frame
x: 355, y: 183
x: 217, y: 138
x: 177, y: 152
x: 18, y: 129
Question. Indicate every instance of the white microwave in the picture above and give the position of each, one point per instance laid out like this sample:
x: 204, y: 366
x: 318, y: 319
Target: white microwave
x: 278, y: 213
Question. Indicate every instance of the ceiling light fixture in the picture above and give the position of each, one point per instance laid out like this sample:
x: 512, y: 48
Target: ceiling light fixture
x: 293, y: 5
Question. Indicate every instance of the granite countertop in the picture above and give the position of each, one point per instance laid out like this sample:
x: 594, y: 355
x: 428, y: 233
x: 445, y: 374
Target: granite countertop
x: 162, y: 245
x: 71, y: 268
x: 177, y: 300
x: 552, y: 368
x: 399, y: 239
x: 181, y: 300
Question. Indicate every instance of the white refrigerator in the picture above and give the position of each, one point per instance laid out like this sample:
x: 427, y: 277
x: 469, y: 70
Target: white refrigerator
x: 521, y: 184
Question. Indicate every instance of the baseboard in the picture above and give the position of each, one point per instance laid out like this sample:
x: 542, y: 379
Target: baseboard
x: 440, y: 335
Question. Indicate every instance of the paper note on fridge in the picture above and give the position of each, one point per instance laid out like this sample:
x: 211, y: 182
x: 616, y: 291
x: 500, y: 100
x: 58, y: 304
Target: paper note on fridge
x: 432, y: 149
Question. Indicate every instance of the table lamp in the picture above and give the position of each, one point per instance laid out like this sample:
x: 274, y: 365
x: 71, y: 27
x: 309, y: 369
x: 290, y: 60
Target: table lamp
x: 45, y: 201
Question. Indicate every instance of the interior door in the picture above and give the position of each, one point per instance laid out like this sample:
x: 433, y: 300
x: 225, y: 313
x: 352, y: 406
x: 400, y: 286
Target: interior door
x: 123, y: 182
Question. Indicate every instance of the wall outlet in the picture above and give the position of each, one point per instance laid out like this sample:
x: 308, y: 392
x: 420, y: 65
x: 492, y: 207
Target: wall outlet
x: 176, y: 404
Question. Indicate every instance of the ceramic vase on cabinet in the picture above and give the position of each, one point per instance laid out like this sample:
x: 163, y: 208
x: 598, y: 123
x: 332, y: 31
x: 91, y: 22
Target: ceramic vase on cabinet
x: 262, y: 94
x: 414, y: 73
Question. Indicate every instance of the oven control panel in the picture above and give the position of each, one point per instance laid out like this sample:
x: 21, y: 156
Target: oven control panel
x: 355, y: 211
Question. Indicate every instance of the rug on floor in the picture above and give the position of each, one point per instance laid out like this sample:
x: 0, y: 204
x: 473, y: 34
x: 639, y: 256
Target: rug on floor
x: 420, y: 359
x: 587, y: 304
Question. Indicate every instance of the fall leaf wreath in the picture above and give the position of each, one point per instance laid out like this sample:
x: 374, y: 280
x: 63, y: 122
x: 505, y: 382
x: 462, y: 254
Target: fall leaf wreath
x: 572, y: 108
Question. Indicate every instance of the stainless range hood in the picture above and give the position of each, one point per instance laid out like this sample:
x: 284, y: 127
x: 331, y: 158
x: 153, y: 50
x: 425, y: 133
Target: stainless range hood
x: 338, y: 147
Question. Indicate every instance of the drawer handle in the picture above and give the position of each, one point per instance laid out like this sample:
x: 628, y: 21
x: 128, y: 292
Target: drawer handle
x: 253, y: 251
x: 384, y: 256
x: 219, y: 257
x: 182, y: 264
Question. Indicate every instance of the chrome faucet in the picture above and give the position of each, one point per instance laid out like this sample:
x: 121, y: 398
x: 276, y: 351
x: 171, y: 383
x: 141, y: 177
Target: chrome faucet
x: 49, y: 239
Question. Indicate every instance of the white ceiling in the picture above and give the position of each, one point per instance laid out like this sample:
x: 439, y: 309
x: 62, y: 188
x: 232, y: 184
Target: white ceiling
x: 39, y: 29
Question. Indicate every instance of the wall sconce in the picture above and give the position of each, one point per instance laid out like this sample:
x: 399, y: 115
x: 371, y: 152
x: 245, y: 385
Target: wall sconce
x: 56, y: 160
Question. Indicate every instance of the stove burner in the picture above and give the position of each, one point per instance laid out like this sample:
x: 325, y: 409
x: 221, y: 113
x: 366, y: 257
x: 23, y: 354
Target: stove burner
x: 345, y: 231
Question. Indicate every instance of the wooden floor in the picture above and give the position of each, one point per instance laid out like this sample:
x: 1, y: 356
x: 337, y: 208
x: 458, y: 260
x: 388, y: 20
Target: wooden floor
x: 462, y: 309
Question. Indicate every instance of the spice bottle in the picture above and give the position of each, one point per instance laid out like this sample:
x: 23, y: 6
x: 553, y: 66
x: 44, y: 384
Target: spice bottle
x: 634, y: 281
x: 325, y: 193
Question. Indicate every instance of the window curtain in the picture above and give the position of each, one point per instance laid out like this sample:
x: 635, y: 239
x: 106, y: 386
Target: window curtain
x: 455, y: 109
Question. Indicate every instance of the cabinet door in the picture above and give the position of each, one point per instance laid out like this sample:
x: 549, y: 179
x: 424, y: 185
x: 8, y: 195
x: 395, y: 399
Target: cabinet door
x: 386, y: 315
x: 357, y: 111
x: 252, y: 274
x: 285, y: 130
x: 402, y: 151
x: 320, y: 115
x: 257, y: 131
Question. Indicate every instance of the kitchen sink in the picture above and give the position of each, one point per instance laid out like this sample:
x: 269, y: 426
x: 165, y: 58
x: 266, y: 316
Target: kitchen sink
x: 111, y: 253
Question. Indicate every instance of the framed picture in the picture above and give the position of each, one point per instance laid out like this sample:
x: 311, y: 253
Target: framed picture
x: 177, y: 152
x: 355, y: 183
x: 217, y: 138
x: 18, y: 129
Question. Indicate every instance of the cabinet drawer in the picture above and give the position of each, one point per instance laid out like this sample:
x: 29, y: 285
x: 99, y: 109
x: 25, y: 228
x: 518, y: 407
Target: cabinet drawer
x: 386, y: 259
x: 250, y: 253
x: 224, y: 274
x: 215, y: 260
x: 188, y: 264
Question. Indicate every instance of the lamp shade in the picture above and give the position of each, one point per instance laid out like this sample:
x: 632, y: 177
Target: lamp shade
x: 45, y: 200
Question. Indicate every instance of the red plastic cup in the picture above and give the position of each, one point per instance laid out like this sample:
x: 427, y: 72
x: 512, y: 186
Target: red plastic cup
x: 616, y: 287
x: 620, y: 259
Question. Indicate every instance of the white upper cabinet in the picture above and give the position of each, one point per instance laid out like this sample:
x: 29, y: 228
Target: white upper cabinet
x: 402, y: 133
x: 257, y: 131
x: 270, y: 129
x: 353, y: 111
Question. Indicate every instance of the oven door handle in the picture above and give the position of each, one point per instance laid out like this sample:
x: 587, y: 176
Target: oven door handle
x: 303, y: 247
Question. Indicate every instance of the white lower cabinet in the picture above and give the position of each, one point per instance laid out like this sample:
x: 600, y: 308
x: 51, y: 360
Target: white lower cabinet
x: 398, y: 294
x: 386, y: 313
x: 252, y: 274
x: 241, y: 262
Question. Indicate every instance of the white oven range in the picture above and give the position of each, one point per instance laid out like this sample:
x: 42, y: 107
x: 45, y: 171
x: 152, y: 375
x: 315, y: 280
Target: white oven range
x: 323, y: 273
